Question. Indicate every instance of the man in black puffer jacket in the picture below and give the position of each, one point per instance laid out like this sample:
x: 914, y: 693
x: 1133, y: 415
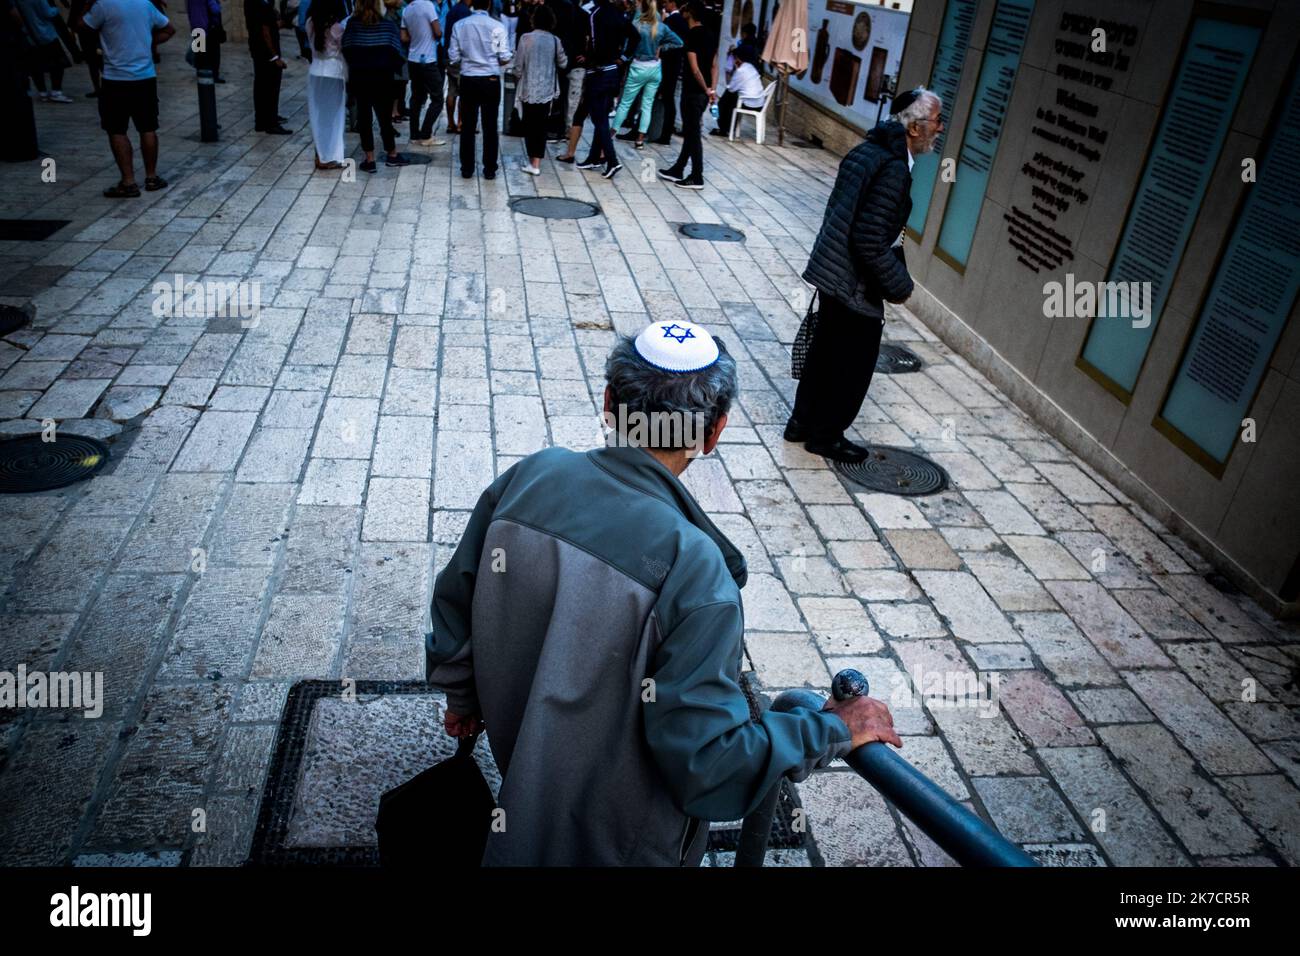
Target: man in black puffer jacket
x: 856, y: 265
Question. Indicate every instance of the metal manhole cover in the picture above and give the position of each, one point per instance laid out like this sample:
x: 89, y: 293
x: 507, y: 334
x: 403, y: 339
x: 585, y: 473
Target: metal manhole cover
x: 712, y: 231
x: 895, y: 471
x: 897, y: 359
x: 554, y: 207
x: 12, y: 319
x: 30, y: 230
x: 29, y: 464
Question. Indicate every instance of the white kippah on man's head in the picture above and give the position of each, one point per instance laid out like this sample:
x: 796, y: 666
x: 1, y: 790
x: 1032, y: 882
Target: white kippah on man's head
x: 677, y: 346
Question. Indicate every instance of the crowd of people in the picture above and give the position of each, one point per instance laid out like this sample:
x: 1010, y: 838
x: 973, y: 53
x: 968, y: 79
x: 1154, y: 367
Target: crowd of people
x: 636, y: 65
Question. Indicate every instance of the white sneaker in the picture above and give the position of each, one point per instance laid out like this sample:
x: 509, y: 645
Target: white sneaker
x: 530, y: 170
x: 429, y: 142
x: 58, y: 96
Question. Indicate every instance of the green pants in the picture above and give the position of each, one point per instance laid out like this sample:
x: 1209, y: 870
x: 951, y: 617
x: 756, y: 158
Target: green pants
x: 640, y: 76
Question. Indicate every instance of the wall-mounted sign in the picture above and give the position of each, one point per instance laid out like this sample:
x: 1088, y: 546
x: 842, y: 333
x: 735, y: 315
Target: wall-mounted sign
x: 1068, y: 136
x: 979, y: 143
x: 1192, y: 128
x: 855, y: 51
x: 945, y: 77
x: 1253, y: 292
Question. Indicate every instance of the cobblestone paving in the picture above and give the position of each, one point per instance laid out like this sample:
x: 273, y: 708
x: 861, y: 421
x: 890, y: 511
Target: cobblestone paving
x: 280, y: 497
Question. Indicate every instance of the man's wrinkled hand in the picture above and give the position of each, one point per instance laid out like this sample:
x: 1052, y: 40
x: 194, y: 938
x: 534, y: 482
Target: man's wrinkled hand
x: 868, y: 720
x: 462, y: 725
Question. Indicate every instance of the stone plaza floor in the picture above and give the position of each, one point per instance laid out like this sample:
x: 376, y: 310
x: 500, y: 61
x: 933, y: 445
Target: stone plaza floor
x: 280, y: 497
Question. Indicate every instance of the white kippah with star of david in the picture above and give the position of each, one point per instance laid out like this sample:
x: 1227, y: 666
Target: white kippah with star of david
x: 677, y: 346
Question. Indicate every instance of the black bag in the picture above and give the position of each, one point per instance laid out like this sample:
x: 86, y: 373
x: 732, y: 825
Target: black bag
x: 803, y: 339
x: 440, y: 816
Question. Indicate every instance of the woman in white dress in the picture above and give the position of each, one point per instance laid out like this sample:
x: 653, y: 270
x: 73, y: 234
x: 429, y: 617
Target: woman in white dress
x: 327, y: 81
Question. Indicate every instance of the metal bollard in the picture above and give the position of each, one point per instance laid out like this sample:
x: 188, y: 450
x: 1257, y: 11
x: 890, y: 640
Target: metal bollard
x: 964, y: 836
x: 207, y: 107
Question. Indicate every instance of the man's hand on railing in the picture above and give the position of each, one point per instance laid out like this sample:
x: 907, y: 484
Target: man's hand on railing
x: 868, y: 720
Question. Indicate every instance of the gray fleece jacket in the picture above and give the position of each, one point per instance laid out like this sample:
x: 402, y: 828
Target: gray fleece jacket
x: 591, y: 614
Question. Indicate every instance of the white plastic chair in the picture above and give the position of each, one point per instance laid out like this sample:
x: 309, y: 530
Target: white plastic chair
x: 758, y: 112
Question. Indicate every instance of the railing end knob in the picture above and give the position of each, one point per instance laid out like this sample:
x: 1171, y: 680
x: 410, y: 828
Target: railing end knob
x: 849, y: 683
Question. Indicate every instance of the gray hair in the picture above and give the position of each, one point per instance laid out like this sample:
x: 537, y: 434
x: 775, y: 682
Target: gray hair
x: 640, y: 388
x: 919, y: 108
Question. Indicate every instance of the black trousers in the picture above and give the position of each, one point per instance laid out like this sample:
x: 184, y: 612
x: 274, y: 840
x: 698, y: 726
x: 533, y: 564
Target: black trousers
x: 374, y: 95
x: 837, y: 372
x: 599, y: 97
x: 479, y: 96
x: 426, y: 81
x: 726, y: 106
x: 535, y: 118
x: 694, y: 103
x: 671, y: 66
x: 210, y: 59
x: 266, y: 92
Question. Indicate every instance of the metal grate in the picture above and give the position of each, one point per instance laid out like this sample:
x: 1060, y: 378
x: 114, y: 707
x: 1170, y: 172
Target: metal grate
x: 278, y: 796
x: 554, y: 207
x: 895, y: 471
x: 712, y: 231
x: 30, y: 230
x: 29, y: 464
x: 897, y: 359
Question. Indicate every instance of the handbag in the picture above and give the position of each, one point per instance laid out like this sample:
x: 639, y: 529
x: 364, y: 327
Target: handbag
x: 803, y: 339
x: 442, y: 815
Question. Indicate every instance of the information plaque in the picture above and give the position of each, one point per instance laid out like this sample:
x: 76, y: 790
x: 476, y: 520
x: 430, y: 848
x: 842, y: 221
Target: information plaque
x: 949, y: 59
x: 979, y: 144
x: 1253, y: 292
x: 1193, y: 126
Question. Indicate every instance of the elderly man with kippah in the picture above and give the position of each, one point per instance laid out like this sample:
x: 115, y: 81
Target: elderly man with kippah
x: 857, y: 265
x: 591, y: 620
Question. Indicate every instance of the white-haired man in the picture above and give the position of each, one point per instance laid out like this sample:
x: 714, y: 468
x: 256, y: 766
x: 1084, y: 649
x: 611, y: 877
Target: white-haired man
x: 856, y: 266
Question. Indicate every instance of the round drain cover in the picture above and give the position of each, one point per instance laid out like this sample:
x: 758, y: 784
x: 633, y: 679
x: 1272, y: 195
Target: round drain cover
x: 554, y: 207
x: 12, y: 319
x: 895, y: 471
x: 896, y: 359
x: 713, y: 231
x: 29, y: 464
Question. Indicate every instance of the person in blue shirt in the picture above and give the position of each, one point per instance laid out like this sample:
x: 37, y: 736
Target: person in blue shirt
x: 46, y: 53
x: 128, y: 31
x: 458, y: 11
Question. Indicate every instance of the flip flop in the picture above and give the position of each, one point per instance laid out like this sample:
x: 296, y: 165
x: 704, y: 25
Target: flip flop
x: 122, y: 192
x: 154, y: 183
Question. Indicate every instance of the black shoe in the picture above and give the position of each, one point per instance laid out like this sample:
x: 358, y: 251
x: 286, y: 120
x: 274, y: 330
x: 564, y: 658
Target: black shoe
x: 841, y: 449
x: 566, y: 159
x: 669, y: 175
x: 219, y: 79
x: 467, y: 175
x: 367, y: 167
x: 398, y: 160
x: 612, y: 171
x: 589, y: 164
x: 716, y: 132
x: 626, y: 136
x: 282, y: 119
x: 640, y: 144
x: 690, y: 183
x: 491, y: 175
x: 277, y: 131
x: 794, y: 432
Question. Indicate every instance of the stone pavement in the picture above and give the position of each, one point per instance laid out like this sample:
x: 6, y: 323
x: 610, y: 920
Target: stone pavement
x: 280, y: 498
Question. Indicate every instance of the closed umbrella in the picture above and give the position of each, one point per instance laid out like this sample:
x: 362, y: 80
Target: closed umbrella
x: 787, y: 49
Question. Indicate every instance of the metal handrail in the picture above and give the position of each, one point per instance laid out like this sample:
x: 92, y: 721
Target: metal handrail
x: 959, y: 832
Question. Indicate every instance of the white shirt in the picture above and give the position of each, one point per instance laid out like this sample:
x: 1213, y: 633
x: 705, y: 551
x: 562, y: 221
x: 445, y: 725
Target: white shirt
x: 418, y: 19
x: 479, y: 45
x: 747, y: 84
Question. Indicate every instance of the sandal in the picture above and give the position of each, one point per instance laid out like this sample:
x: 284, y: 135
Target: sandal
x: 121, y: 191
x: 154, y: 183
